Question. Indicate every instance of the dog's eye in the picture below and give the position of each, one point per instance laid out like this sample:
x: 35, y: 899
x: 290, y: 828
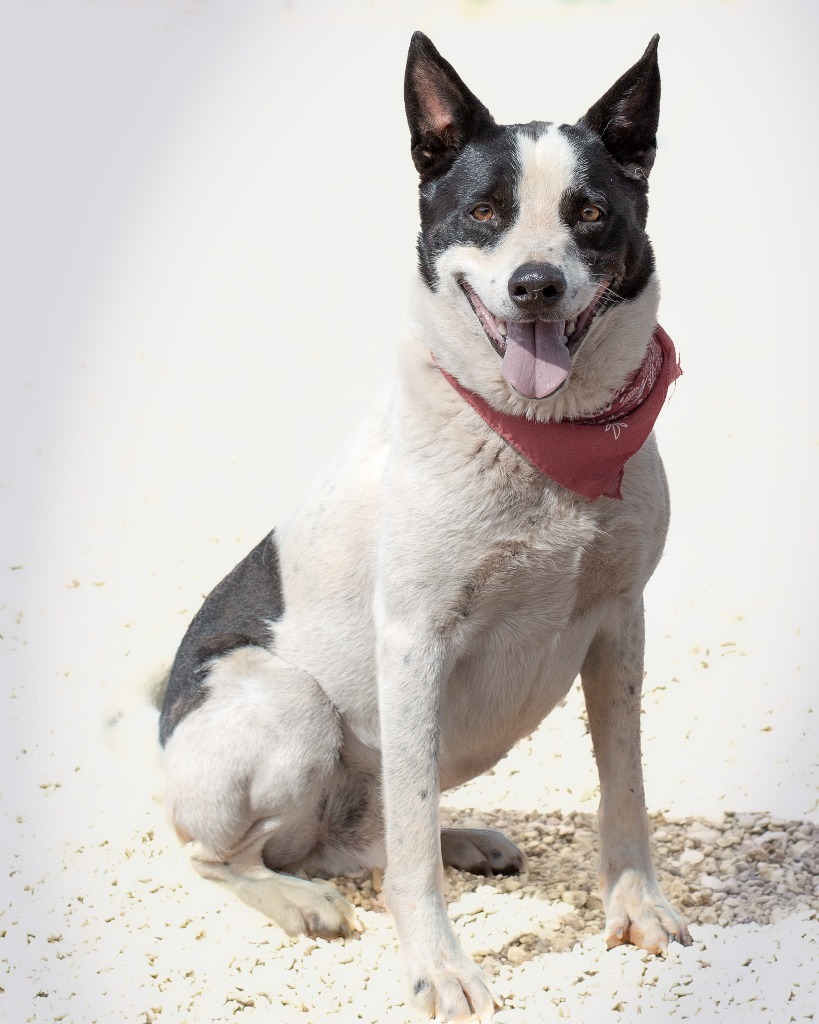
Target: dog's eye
x: 591, y: 213
x: 483, y: 212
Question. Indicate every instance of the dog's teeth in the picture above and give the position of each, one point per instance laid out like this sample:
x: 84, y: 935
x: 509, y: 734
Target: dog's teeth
x: 502, y: 328
x: 570, y: 326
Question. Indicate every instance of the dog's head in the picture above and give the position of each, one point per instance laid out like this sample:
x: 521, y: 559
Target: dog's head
x: 533, y: 238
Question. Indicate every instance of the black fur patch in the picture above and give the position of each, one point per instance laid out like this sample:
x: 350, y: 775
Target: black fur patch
x: 235, y: 614
x: 617, y: 246
x: 485, y: 171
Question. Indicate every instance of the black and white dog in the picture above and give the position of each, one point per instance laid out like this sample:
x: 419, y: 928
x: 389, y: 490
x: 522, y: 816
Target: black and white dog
x: 486, y: 538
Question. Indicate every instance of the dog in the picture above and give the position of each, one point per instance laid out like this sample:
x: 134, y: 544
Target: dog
x: 485, y: 539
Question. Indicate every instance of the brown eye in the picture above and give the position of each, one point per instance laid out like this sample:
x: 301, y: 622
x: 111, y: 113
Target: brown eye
x: 483, y: 212
x: 591, y: 213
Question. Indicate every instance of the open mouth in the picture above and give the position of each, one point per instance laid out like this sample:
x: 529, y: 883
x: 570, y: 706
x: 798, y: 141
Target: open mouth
x: 536, y: 354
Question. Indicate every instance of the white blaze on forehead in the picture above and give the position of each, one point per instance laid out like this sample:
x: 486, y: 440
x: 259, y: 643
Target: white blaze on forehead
x: 548, y: 166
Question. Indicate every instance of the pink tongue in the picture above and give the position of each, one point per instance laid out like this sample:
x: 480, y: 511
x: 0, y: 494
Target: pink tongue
x: 536, y: 361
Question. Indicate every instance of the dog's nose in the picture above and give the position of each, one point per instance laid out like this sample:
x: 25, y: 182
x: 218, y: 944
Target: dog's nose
x: 535, y: 287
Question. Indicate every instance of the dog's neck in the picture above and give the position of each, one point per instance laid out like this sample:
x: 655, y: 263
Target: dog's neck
x: 587, y: 454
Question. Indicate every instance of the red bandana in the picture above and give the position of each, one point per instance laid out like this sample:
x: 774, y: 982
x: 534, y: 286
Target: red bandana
x: 587, y: 455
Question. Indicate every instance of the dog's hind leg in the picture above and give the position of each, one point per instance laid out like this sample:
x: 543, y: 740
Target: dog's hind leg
x: 248, y: 772
x: 612, y: 676
x: 482, y: 851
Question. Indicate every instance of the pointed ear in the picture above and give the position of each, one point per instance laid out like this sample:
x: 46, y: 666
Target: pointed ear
x: 443, y: 114
x: 626, y: 117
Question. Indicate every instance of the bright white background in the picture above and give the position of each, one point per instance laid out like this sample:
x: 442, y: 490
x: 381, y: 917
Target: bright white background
x: 207, y: 226
x: 208, y: 221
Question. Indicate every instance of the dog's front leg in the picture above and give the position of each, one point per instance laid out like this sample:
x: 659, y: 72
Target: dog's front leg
x: 612, y: 675
x: 443, y: 981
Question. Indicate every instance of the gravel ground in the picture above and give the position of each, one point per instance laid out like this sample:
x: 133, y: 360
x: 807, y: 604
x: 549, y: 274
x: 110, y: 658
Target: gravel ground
x: 151, y: 422
x: 126, y: 931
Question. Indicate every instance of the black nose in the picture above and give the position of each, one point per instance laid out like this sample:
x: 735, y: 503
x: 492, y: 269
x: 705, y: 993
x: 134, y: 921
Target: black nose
x: 535, y: 287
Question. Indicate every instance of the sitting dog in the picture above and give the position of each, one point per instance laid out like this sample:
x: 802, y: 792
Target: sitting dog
x: 486, y: 538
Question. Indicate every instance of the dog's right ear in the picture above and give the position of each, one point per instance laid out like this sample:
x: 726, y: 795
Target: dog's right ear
x: 443, y: 114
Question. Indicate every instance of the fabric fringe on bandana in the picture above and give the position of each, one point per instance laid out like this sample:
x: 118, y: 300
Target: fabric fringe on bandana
x: 588, y: 455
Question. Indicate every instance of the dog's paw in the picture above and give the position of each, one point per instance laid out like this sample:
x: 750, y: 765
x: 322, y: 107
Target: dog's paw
x: 482, y: 851
x: 639, y: 914
x: 316, y: 910
x: 452, y: 990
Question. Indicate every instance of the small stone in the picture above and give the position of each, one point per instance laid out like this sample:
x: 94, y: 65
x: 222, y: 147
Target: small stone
x: 710, y: 882
x: 703, y: 835
x: 770, y: 837
x: 576, y: 897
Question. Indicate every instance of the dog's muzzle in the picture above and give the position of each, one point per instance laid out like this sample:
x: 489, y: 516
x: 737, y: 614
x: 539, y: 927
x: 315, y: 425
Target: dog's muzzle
x: 536, y: 352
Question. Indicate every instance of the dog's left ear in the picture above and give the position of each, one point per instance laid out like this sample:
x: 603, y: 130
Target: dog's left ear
x: 626, y: 118
x: 443, y: 114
